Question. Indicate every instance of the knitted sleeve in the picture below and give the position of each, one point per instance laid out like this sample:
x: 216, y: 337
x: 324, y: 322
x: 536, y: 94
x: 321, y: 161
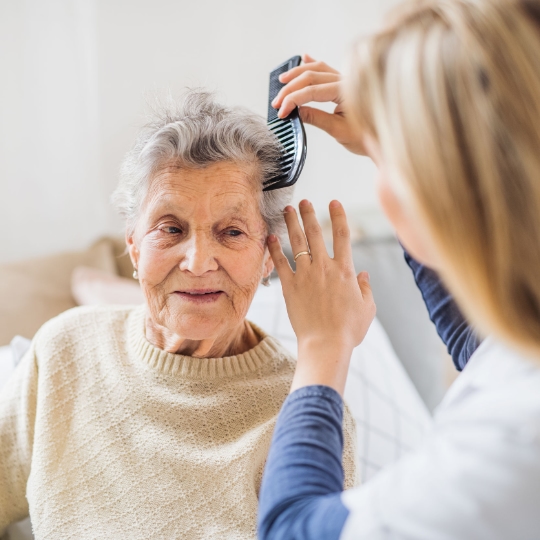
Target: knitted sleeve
x: 17, y: 417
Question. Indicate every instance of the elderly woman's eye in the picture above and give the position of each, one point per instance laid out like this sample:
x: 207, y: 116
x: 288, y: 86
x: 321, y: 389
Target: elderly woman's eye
x: 171, y: 230
x: 233, y: 232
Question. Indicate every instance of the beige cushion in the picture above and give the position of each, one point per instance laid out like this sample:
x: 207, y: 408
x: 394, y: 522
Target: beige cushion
x: 123, y: 262
x: 33, y: 291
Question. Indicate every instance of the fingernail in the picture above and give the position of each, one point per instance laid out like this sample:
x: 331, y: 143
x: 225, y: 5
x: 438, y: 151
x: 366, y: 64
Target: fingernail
x: 274, y: 101
x: 272, y: 238
x: 288, y: 209
x: 367, y: 276
x: 304, y: 202
x: 334, y: 204
x: 281, y: 76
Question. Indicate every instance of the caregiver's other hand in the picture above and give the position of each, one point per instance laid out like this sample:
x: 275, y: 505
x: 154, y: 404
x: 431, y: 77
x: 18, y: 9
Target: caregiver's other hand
x: 330, y: 308
x: 316, y: 81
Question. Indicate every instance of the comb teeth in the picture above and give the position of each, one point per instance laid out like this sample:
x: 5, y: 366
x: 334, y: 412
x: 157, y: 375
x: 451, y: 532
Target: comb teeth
x: 284, y: 131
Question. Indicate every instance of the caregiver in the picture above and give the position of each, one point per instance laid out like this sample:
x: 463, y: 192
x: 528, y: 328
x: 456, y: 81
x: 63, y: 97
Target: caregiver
x: 446, y: 100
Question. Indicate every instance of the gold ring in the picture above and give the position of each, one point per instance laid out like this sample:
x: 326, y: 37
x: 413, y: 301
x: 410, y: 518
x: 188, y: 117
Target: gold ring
x: 300, y: 254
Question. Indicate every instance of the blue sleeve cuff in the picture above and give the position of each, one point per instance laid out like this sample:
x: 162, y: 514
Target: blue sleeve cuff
x: 318, y: 391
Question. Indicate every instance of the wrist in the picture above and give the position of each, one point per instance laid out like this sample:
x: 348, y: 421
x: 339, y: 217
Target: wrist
x: 318, y: 346
x: 322, y: 362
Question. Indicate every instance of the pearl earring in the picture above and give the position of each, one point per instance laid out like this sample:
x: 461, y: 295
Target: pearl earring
x: 135, y: 274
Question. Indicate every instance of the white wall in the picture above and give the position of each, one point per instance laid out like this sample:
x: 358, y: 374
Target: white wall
x: 76, y: 75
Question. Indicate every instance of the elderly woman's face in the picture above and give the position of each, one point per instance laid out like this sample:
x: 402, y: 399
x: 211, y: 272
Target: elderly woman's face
x: 200, y: 249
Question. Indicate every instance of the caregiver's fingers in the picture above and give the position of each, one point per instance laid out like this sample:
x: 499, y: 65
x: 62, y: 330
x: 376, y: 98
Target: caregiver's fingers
x: 281, y: 263
x: 332, y: 123
x: 337, y: 126
x: 340, y: 233
x: 313, y: 231
x: 308, y: 78
x: 367, y: 294
x: 296, y: 235
x: 321, y: 93
x: 314, y: 65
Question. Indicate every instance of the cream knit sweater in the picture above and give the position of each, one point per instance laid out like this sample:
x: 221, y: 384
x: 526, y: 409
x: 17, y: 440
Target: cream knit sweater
x: 102, y: 435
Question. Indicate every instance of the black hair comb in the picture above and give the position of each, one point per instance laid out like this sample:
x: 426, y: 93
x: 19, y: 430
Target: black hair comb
x: 289, y: 131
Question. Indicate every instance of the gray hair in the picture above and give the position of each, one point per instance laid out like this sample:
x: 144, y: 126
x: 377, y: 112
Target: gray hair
x: 196, y: 133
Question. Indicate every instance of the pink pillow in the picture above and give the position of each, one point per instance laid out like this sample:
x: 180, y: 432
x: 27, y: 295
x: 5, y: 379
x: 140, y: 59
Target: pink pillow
x: 90, y: 287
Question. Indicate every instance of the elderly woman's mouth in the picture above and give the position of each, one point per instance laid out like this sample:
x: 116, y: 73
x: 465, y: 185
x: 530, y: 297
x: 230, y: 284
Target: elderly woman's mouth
x: 200, y: 296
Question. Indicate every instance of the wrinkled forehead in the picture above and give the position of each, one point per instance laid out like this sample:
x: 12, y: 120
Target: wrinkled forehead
x: 220, y: 188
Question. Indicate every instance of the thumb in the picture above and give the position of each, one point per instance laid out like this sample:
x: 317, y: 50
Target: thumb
x: 321, y: 119
x: 365, y: 287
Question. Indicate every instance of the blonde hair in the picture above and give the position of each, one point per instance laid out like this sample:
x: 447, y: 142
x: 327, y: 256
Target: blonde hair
x: 451, y: 91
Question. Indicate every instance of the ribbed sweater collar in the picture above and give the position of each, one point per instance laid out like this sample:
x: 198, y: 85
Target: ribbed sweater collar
x: 266, y: 351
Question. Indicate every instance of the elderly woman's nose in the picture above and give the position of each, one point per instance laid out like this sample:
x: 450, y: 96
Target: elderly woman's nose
x: 199, y: 256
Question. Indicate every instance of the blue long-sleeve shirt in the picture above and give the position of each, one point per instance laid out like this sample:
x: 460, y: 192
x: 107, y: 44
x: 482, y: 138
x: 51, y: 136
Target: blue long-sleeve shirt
x: 303, y: 480
x: 455, y: 332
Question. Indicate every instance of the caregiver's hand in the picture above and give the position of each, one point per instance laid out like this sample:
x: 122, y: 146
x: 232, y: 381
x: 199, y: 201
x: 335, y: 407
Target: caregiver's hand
x: 330, y: 308
x: 316, y: 81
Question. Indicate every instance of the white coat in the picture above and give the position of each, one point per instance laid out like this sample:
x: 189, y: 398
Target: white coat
x: 477, y: 476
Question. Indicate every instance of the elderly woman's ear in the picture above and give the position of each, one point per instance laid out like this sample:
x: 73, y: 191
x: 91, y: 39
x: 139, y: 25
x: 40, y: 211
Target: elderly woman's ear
x: 133, y: 251
x: 268, y: 264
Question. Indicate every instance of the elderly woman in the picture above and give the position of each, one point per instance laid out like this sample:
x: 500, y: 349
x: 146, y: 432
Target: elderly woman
x: 155, y: 421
